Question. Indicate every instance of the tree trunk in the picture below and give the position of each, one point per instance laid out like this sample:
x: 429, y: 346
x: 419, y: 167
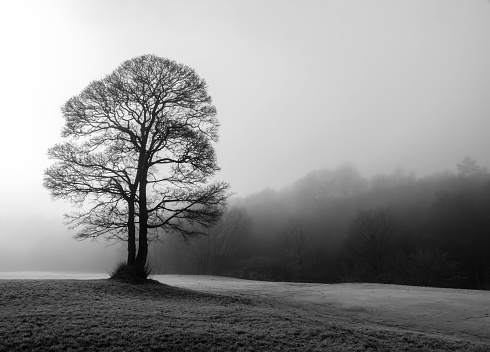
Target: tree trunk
x: 131, y: 234
x: 141, y: 257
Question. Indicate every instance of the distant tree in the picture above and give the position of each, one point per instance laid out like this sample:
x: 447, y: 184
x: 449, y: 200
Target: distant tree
x: 321, y: 186
x: 398, y: 178
x: 156, y: 116
x: 349, y: 181
x: 221, y: 242
x: 295, y: 241
x: 370, y: 240
x: 469, y: 167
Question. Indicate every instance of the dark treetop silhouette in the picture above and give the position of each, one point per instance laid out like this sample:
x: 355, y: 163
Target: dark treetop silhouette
x: 137, y: 156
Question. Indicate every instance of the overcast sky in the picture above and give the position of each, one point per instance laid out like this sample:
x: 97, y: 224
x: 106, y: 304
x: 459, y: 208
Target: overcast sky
x: 298, y: 85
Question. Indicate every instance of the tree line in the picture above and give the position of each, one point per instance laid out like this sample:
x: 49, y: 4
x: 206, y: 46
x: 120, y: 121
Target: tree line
x: 337, y: 226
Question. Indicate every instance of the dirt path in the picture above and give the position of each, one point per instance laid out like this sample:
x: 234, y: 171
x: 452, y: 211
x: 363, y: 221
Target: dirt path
x: 450, y: 312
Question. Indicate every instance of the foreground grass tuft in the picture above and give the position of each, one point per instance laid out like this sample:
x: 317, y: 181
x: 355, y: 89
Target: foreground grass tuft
x: 124, y: 273
x: 109, y: 315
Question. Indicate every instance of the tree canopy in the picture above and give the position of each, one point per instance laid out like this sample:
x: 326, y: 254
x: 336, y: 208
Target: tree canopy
x: 138, y: 154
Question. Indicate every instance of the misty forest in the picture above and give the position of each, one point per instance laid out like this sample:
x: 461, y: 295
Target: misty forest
x: 336, y: 226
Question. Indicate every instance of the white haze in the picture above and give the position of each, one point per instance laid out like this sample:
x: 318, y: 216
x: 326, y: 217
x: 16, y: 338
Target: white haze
x: 299, y: 85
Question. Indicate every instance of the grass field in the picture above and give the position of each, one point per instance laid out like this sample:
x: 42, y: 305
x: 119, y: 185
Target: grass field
x: 105, y: 315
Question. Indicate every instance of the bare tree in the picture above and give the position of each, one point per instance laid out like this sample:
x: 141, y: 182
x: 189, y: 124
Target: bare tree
x: 221, y: 242
x: 370, y: 238
x: 157, y: 116
x: 294, y: 239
